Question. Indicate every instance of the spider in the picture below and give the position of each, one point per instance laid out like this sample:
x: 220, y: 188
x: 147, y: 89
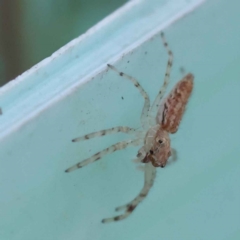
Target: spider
x: 157, y: 121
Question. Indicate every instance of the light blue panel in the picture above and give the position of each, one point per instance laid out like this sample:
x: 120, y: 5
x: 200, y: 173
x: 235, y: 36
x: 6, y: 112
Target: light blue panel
x: 72, y: 93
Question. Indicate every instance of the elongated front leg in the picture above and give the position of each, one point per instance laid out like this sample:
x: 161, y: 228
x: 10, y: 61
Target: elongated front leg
x: 161, y: 93
x: 99, y: 155
x: 150, y: 173
x: 146, y: 106
x: 106, y: 132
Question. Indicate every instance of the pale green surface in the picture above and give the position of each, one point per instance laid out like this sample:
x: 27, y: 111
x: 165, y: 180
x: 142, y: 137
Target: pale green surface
x: 195, y: 198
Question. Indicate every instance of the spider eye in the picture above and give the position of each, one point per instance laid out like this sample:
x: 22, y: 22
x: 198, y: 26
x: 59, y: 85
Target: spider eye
x: 151, y: 152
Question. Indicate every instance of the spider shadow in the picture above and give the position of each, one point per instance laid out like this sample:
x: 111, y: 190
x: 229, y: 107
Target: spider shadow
x: 173, y: 157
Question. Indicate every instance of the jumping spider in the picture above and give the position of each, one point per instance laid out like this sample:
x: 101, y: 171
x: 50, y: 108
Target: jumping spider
x: 157, y: 120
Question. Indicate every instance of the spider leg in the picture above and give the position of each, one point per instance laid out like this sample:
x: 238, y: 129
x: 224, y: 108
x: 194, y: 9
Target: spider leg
x: 99, y: 155
x: 140, y: 156
x: 146, y: 106
x: 161, y: 93
x: 150, y: 173
x: 105, y: 132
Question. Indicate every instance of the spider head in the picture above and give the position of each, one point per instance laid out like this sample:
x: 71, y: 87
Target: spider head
x: 160, y: 149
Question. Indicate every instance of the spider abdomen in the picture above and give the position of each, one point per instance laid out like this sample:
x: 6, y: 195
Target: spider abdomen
x: 171, y: 113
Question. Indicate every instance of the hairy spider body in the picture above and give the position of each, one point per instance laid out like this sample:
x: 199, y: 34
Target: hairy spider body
x: 171, y: 113
x: 159, y: 145
x: 157, y: 120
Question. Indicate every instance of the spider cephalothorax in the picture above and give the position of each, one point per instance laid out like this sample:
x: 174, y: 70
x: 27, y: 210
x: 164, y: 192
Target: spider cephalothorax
x: 157, y: 121
x: 160, y: 149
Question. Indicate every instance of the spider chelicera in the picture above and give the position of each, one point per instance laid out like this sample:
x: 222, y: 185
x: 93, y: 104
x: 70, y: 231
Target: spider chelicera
x: 157, y: 121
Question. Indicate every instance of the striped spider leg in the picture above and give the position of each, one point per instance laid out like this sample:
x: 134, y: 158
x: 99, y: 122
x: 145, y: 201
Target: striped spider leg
x: 157, y: 122
x: 149, y: 176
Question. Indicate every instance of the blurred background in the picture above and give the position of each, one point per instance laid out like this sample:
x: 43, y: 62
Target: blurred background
x: 31, y: 30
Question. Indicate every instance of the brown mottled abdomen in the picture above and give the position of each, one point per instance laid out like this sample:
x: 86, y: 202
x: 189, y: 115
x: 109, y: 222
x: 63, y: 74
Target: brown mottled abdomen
x: 170, y: 115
